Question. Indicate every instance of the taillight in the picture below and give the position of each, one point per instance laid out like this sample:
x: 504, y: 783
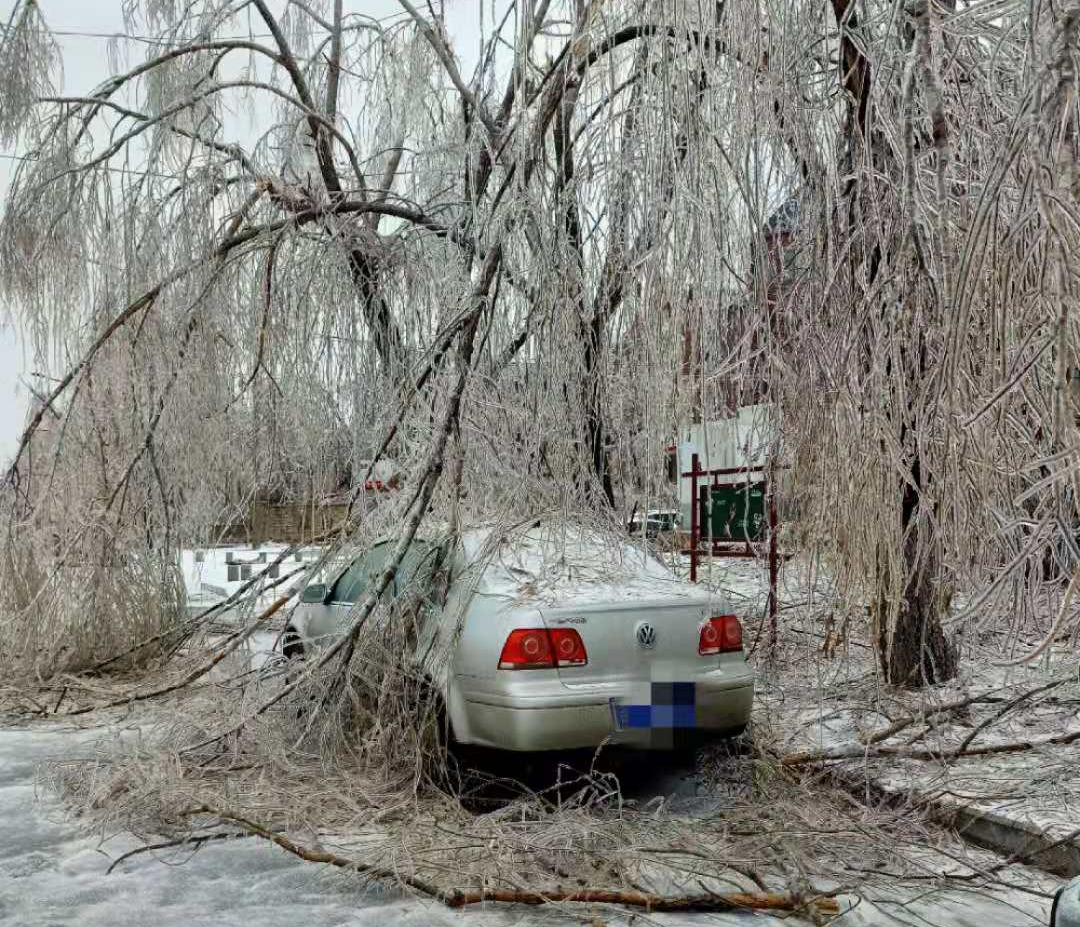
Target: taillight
x: 568, y: 646
x: 539, y: 648
x: 722, y: 634
x: 527, y: 648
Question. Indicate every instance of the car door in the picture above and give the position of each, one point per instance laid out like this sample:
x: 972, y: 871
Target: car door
x: 355, y: 584
x: 414, y: 575
x: 326, y: 621
x: 418, y: 583
x: 424, y: 582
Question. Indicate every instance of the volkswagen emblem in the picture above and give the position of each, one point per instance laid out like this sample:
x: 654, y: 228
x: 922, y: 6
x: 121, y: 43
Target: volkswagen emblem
x: 646, y: 636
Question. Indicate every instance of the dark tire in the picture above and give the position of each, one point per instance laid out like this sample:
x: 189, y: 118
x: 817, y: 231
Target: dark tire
x: 739, y: 741
x: 292, y: 647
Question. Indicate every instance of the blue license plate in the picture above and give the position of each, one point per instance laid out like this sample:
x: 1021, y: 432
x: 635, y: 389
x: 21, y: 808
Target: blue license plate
x: 672, y: 705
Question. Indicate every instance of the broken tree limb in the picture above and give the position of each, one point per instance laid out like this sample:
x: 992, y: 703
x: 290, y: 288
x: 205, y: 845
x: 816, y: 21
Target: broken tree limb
x: 319, y: 856
x: 704, y: 901
x: 193, y: 842
x: 205, y: 614
x: 858, y: 751
x: 896, y: 726
x: 1004, y: 710
x: 455, y: 898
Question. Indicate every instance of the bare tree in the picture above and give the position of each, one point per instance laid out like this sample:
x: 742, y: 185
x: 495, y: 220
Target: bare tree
x: 931, y: 350
x: 519, y: 274
x: 402, y: 255
x: 233, y: 313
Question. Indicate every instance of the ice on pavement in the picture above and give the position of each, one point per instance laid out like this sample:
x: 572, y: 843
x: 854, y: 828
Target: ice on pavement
x: 54, y: 875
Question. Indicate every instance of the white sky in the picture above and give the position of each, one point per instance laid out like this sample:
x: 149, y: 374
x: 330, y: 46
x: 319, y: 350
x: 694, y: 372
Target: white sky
x: 85, y: 66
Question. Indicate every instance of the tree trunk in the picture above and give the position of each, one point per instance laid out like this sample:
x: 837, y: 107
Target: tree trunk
x: 591, y: 324
x: 595, y: 432
x: 914, y: 650
x: 911, y: 642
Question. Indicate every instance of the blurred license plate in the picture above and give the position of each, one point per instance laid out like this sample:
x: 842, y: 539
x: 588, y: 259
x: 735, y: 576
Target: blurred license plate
x: 626, y: 717
x: 618, y: 715
x: 671, y: 705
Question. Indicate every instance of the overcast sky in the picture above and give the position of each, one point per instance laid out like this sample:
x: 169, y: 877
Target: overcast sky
x: 85, y: 66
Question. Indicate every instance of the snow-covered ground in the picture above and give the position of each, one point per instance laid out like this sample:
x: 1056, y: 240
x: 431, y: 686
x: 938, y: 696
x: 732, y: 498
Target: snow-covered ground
x: 52, y: 875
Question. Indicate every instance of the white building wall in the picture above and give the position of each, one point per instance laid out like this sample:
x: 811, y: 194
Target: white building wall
x: 207, y: 575
x: 743, y: 440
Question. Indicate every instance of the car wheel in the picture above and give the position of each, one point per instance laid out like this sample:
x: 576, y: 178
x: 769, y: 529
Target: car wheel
x: 292, y: 647
x: 739, y: 741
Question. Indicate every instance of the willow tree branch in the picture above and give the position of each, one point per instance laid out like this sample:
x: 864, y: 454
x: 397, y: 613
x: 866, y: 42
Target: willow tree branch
x: 194, y: 842
x: 230, y: 646
x: 446, y: 56
x: 315, y: 120
x: 333, y: 79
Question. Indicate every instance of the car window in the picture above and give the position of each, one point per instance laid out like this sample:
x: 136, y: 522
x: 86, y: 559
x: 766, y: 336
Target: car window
x: 364, y: 571
x: 351, y: 584
x: 417, y: 568
x: 375, y: 561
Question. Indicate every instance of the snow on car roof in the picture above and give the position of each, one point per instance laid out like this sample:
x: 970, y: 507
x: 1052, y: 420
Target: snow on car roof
x: 562, y: 564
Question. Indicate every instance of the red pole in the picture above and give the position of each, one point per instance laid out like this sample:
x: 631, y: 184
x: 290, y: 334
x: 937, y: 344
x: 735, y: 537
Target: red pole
x: 704, y: 506
x: 773, y: 565
x: 694, y: 526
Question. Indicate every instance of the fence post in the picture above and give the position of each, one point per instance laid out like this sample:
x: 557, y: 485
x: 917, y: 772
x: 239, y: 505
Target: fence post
x: 773, y: 565
x: 695, y: 528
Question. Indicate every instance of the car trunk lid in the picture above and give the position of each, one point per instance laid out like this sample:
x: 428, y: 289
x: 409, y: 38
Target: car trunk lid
x: 632, y: 643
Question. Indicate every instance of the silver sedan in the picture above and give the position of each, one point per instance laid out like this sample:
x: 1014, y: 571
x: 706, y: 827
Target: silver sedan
x: 555, y: 638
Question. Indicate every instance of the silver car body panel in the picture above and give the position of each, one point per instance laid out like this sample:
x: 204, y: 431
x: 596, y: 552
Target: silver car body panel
x: 492, y: 593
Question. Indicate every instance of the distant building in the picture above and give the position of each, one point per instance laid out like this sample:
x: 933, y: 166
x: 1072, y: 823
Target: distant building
x: 748, y: 320
x: 734, y: 427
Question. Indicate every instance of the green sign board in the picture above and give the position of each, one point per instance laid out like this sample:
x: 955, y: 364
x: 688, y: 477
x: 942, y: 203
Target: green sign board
x: 738, y: 513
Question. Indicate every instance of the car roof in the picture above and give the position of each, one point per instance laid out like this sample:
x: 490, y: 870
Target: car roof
x: 558, y: 563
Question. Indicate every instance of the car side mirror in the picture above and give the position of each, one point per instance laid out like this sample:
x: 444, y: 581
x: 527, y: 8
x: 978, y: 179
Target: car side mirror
x: 315, y: 593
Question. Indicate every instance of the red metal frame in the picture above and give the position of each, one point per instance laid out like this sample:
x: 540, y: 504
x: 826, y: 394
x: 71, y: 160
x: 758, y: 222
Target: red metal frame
x: 718, y: 549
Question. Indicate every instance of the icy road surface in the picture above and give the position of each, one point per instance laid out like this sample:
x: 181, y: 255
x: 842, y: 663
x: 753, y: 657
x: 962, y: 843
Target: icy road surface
x: 52, y: 875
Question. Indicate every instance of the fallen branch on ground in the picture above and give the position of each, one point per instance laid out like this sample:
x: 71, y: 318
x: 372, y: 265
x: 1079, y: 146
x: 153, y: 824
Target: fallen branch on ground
x: 1009, y: 706
x: 857, y: 752
x: 704, y: 901
x: 193, y: 842
x: 901, y: 723
x: 455, y: 898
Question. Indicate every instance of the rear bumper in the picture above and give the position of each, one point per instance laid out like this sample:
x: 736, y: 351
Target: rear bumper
x: 578, y: 720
